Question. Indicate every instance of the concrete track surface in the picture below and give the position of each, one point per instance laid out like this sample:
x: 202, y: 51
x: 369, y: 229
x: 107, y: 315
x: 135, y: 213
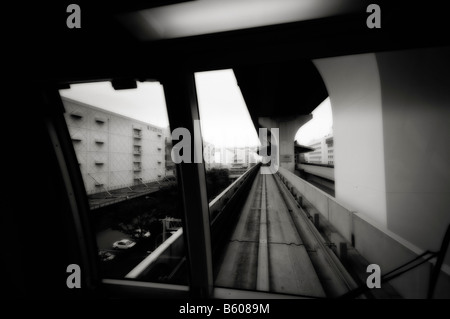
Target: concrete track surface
x: 274, y: 248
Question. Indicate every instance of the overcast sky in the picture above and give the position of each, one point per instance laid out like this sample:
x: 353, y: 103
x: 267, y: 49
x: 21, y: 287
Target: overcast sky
x: 225, y: 120
x: 146, y: 103
x: 320, y: 125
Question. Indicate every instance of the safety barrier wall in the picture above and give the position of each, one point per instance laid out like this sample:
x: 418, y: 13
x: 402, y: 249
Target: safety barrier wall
x: 218, y: 203
x: 373, y: 241
x: 172, y: 251
x: 322, y: 171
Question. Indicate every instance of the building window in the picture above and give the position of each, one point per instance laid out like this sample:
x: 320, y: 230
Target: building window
x: 76, y: 115
x: 100, y: 120
x: 137, y: 133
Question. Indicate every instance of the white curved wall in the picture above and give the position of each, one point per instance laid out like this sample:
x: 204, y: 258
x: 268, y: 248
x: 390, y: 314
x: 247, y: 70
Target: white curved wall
x: 391, y: 114
x: 354, y: 89
x: 416, y: 120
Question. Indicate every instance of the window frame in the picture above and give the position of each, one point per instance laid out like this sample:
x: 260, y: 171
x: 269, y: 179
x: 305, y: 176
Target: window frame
x: 182, y: 108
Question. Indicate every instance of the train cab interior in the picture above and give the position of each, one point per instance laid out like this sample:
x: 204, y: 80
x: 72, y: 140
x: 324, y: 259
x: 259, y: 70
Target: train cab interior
x: 269, y: 45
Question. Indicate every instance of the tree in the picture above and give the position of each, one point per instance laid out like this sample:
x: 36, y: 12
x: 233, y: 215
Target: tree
x: 216, y: 181
x: 138, y: 227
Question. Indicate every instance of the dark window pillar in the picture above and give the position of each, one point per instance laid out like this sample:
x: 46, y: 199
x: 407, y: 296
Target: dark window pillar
x: 182, y: 110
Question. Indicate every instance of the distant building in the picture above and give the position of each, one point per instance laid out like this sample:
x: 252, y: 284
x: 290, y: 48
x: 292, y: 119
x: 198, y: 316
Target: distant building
x: 238, y: 166
x: 242, y: 160
x: 209, y: 152
x: 235, y: 159
x: 114, y: 151
x: 323, y: 152
x: 330, y: 150
x: 316, y: 155
x: 170, y: 165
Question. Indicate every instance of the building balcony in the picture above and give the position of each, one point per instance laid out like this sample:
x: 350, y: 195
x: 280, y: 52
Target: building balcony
x: 137, y: 132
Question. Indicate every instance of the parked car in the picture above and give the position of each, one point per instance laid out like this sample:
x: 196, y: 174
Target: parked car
x: 106, y: 255
x: 124, y: 244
